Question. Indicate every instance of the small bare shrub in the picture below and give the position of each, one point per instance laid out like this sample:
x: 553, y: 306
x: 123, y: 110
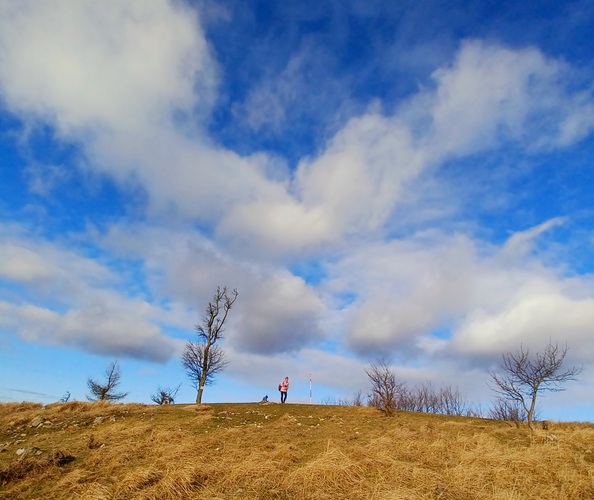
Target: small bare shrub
x: 165, y: 395
x: 105, y: 391
x: 384, y: 388
x: 507, y: 410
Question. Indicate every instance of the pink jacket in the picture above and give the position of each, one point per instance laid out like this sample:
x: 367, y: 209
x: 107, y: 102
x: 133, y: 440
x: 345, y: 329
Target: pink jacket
x: 284, y: 386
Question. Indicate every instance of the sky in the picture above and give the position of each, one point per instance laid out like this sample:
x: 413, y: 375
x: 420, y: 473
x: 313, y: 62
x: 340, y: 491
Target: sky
x: 409, y: 181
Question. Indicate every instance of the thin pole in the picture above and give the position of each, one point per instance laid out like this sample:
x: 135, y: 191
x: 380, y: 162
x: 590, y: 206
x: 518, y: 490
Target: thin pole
x: 310, y: 388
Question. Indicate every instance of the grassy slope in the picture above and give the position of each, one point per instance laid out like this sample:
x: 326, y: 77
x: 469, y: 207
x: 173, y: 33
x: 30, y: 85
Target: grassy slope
x: 284, y: 451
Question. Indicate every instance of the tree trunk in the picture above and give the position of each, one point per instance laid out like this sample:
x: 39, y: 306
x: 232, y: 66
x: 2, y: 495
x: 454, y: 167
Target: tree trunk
x: 204, y: 373
x: 531, y: 410
x: 201, y: 387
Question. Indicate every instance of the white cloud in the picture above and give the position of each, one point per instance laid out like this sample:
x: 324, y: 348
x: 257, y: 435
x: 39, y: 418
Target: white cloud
x: 534, y: 316
x: 359, y: 177
x: 491, y: 94
x: 277, y: 228
x: 112, y: 326
x: 48, y: 268
x: 18, y: 263
x: 115, y: 79
x: 521, y: 243
x: 279, y: 313
x: 350, y: 189
x: 89, y: 67
x: 404, y: 290
x: 490, y: 297
x: 73, y: 300
x: 275, y: 311
x: 131, y: 84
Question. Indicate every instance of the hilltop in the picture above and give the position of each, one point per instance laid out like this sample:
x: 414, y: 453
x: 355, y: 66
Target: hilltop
x: 272, y: 451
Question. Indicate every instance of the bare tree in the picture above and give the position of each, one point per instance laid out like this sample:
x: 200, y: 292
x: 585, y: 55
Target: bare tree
x: 165, y: 395
x: 384, y: 388
x: 358, y: 398
x: 202, y: 360
x: 525, y: 377
x: 328, y: 401
x: 426, y: 398
x: 451, y: 401
x: 474, y: 411
x: 407, y: 399
x: 104, y: 392
x: 507, y: 410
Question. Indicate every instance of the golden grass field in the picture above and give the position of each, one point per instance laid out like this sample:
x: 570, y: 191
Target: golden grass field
x: 259, y: 451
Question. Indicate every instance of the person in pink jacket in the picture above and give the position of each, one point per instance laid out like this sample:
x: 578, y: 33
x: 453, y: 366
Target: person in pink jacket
x: 283, y: 388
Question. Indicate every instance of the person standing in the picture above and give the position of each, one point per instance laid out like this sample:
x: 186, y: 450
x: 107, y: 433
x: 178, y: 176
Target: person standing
x: 283, y: 388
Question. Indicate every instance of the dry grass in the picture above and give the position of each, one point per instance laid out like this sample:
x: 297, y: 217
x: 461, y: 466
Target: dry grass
x: 251, y: 451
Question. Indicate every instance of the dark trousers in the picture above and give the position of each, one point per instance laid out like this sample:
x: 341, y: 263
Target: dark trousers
x: 283, y: 396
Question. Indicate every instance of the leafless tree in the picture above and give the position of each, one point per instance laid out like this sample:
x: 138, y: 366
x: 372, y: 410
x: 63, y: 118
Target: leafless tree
x: 358, y: 398
x: 508, y: 410
x: 524, y: 377
x: 475, y: 411
x: 165, y: 395
x: 104, y: 392
x: 451, y: 401
x: 406, y: 399
x: 344, y: 402
x: 65, y: 398
x: 426, y: 398
x: 202, y: 360
x: 384, y: 387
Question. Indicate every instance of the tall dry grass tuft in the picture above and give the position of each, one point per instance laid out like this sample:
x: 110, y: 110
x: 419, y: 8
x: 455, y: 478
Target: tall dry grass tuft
x: 340, y: 474
x: 13, y: 408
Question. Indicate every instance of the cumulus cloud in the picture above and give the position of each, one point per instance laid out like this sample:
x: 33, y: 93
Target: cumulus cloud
x: 522, y: 242
x: 348, y: 190
x: 73, y: 300
x: 280, y: 313
x: 107, y: 327
x: 492, y: 93
x: 533, y: 317
x: 47, y: 267
x: 408, y: 295
x: 489, y: 96
x: 91, y: 68
x: 132, y: 86
x: 275, y: 312
x: 21, y: 264
x: 403, y: 290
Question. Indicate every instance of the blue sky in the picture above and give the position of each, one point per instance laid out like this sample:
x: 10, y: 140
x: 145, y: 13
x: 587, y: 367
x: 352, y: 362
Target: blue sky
x: 410, y: 180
